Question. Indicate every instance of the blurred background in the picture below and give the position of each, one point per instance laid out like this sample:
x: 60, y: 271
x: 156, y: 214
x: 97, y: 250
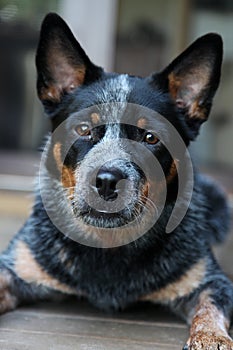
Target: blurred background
x: 132, y: 36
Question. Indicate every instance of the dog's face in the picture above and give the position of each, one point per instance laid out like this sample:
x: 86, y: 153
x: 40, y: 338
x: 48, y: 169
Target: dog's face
x: 104, y: 120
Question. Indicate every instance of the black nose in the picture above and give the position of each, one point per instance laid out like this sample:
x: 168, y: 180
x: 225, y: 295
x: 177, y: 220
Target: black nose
x: 106, y: 183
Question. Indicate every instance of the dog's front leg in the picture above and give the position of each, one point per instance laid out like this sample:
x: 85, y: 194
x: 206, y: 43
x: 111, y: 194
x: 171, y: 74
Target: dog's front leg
x: 24, y: 280
x: 16, y: 290
x: 8, y: 299
x: 204, y: 297
x: 209, y: 326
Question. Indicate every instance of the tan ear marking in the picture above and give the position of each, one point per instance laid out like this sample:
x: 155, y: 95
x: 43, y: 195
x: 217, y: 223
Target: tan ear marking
x: 186, y: 90
x: 174, y: 84
x: 65, y: 79
x: 50, y: 93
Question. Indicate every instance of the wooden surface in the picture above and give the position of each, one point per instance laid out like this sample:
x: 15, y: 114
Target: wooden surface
x: 74, y: 324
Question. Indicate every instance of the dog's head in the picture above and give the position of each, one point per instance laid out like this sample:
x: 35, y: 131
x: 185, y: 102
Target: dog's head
x: 102, y: 121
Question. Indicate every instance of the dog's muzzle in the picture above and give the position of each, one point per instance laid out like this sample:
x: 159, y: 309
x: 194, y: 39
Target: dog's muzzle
x: 110, y: 195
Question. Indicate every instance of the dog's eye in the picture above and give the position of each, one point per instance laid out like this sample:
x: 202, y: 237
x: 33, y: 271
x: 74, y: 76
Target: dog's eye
x: 150, y: 138
x: 83, y: 130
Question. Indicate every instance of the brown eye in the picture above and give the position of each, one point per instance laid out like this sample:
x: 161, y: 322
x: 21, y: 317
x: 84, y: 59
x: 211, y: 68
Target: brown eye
x: 150, y: 138
x: 83, y: 130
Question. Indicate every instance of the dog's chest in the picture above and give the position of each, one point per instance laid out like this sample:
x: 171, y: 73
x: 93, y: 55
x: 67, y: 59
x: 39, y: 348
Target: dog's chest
x: 112, y: 281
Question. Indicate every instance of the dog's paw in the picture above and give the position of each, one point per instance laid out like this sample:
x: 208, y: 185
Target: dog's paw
x: 7, y: 300
x: 207, y: 341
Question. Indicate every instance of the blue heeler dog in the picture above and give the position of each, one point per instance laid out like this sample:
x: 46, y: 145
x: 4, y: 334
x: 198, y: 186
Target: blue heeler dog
x: 93, y: 156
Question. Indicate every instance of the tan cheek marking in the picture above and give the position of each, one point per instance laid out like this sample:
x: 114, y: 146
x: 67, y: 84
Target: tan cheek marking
x: 184, y: 286
x: 172, y: 172
x: 145, y: 192
x: 95, y: 118
x: 67, y: 174
x: 68, y: 180
x: 141, y: 123
x: 30, y: 271
x: 57, y: 155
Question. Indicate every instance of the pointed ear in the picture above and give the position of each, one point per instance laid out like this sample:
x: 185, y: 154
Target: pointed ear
x: 62, y: 65
x: 193, y: 78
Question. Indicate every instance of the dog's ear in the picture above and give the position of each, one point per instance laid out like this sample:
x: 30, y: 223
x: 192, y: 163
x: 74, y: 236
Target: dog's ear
x: 193, y: 78
x: 62, y: 65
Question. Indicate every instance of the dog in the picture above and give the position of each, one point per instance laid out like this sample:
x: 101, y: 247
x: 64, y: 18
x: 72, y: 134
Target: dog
x: 87, y: 234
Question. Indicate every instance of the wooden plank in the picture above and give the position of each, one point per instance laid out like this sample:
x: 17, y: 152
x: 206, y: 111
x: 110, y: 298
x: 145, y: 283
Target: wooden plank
x: 32, y: 329
x: 128, y: 331
x: 39, y: 341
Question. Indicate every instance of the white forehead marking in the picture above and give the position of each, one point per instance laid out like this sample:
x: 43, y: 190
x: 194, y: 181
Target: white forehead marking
x: 113, y: 98
x: 116, y: 89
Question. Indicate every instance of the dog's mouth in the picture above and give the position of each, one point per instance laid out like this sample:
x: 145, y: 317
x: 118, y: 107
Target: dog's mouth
x: 104, y: 219
x: 108, y: 226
